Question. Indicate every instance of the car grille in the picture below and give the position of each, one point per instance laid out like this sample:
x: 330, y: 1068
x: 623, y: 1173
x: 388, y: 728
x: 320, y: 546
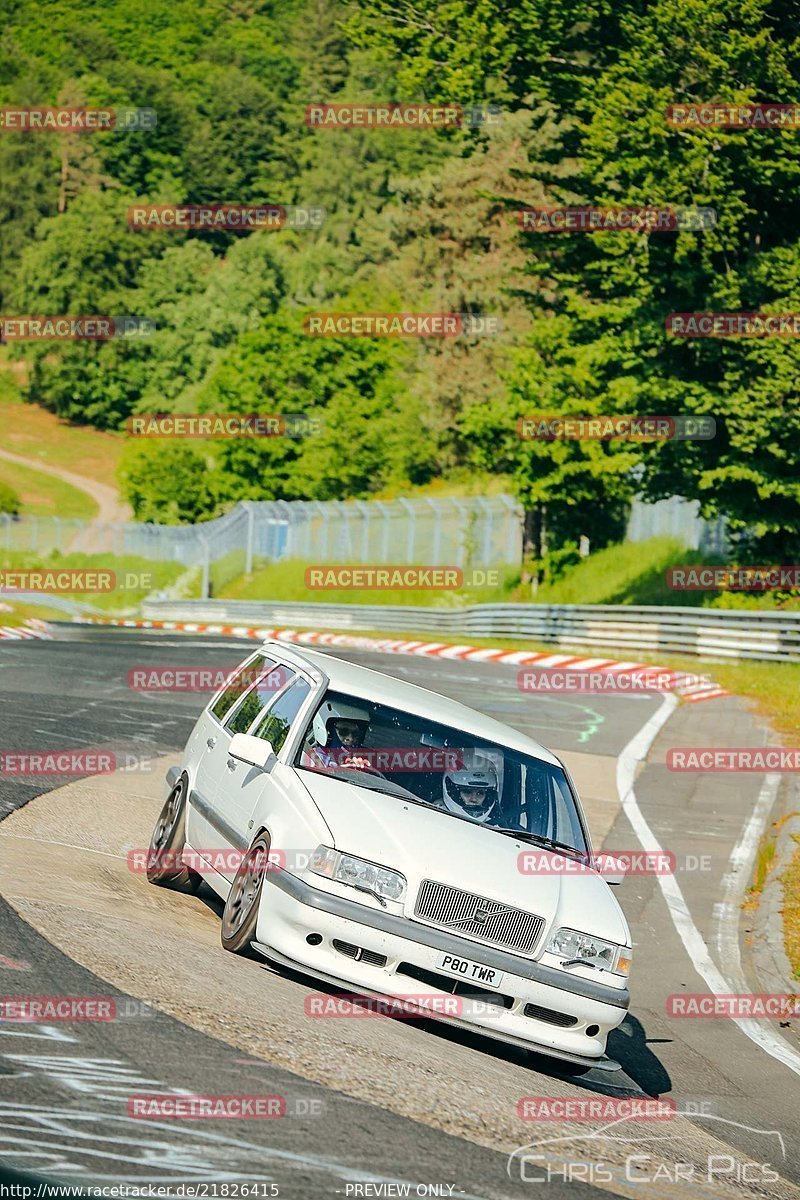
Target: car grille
x: 488, y: 920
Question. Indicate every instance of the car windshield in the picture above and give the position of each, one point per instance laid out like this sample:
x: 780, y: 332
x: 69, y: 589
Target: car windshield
x: 383, y: 749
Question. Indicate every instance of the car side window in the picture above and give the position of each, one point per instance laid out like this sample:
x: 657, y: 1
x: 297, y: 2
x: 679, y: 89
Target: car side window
x: 272, y: 680
x: 238, y: 685
x: 275, y: 726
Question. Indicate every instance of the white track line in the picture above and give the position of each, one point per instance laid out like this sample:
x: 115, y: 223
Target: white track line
x: 634, y: 753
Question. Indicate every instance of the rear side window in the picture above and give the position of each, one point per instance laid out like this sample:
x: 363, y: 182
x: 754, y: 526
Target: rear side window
x: 239, y: 683
x: 278, y: 720
x: 271, y: 681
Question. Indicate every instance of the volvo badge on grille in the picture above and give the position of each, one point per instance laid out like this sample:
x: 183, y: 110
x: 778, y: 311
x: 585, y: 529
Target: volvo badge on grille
x: 480, y: 916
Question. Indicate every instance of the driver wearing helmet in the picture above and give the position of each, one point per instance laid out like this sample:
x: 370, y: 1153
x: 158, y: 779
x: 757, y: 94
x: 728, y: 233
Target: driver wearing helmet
x: 338, y: 732
x: 472, y: 792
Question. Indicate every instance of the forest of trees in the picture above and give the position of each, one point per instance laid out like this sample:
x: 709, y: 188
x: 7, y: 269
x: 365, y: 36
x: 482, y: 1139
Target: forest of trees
x: 417, y: 220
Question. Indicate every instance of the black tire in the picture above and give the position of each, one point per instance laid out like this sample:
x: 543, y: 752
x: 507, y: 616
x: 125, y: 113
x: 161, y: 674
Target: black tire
x: 240, y: 914
x: 169, y: 838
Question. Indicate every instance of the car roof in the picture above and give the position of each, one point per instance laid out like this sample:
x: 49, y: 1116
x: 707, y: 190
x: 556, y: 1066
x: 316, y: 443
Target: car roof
x: 367, y: 684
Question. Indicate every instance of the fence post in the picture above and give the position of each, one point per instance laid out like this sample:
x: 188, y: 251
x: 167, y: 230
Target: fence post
x: 463, y: 552
x: 205, y: 585
x: 411, y: 517
x: 437, y: 533
x: 248, y: 562
x: 387, y: 516
x: 486, y: 506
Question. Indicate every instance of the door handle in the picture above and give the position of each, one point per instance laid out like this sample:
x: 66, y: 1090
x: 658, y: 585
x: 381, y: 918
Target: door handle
x: 211, y: 743
x: 231, y: 764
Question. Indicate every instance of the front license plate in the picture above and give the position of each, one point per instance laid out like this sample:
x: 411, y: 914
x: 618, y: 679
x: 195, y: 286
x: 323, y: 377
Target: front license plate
x: 472, y: 972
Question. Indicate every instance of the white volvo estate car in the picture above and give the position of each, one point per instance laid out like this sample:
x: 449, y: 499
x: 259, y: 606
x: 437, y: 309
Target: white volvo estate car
x: 417, y: 849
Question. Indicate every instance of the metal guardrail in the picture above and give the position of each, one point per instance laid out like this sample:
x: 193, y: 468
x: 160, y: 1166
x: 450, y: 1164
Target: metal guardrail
x: 710, y: 633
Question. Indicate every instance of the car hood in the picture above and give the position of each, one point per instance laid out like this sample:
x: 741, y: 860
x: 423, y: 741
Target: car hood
x: 424, y: 843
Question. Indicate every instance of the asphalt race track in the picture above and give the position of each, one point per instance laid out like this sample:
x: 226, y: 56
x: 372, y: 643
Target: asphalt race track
x: 372, y: 1104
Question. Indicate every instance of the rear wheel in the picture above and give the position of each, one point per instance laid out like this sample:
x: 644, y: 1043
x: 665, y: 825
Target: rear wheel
x: 240, y: 914
x: 168, y: 840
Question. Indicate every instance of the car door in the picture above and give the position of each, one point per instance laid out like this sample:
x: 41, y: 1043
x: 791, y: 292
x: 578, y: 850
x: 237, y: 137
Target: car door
x: 208, y: 749
x: 265, y: 797
x: 268, y: 710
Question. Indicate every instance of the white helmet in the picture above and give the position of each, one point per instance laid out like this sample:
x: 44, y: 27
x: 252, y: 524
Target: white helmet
x: 482, y: 776
x: 337, y: 710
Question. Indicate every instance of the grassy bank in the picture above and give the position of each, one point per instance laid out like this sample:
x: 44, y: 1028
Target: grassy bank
x: 46, y: 495
x: 630, y: 573
x: 636, y: 573
x: 133, y: 578
x: 791, y: 910
x: 285, y: 581
x: 35, y: 433
x: 13, y: 614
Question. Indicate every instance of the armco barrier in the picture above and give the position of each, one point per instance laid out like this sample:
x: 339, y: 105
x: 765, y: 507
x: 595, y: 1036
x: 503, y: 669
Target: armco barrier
x: 691, y: 688
x: 710, y: 633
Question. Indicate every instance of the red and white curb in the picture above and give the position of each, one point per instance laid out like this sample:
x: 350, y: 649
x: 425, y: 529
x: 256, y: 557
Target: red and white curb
x: 33, y: 628
x: 691, y: 688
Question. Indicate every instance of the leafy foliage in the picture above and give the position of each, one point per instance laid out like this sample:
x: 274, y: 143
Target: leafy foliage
x: 418, y: 220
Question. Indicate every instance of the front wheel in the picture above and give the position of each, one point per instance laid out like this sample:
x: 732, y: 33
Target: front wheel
x: 167, y: 842
x: 240, y: 914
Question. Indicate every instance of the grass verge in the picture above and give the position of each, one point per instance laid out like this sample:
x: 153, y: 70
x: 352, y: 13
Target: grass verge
x: 134, y: 578
x: 12, y: 615
x: 46, y: 495
x: 35, y: 433
x: 285, y: 581
x: 790, y: 881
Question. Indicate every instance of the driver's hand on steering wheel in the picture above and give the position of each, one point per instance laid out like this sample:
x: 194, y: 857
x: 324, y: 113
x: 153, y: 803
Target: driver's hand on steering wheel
x: 354, y: 763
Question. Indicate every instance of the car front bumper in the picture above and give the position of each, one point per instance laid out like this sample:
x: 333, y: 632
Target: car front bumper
x: 292, y: 909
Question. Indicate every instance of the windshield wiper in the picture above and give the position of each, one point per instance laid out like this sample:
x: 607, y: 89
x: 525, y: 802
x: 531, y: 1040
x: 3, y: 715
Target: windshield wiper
x: 539, y: 839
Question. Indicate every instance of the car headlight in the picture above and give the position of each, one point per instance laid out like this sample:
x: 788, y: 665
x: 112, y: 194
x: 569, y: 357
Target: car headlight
x: 358, y: 873
x: 579, y: 947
